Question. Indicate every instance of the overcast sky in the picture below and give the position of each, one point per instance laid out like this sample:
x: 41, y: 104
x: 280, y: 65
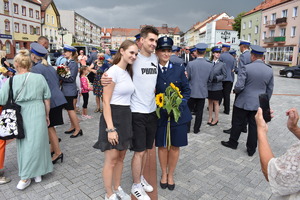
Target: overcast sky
x: 133, y: 13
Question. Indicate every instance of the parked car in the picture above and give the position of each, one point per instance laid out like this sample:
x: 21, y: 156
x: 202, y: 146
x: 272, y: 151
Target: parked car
x: 290, y: 71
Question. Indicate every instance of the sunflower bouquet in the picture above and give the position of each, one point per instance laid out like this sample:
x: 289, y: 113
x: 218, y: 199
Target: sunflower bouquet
x: 170, y: 101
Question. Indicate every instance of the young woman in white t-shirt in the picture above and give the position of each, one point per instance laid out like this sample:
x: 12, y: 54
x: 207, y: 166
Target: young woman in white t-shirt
x: 115, y: 135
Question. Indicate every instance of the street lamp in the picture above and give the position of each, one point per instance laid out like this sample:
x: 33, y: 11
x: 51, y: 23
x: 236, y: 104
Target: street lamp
x: 62, y: 31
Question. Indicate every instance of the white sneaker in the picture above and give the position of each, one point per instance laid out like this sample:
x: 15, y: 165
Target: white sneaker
x: 22, y: 185
x: 112, y: 197
x: 121, y: 194
x: 139, y: 192
x: 38, y: 179
x: 147, y: 187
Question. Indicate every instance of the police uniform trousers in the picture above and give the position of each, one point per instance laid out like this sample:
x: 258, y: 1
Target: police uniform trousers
x: 238, y: 122
x: 227, y: 86
x: 245, y: 122
x: 196, y: 104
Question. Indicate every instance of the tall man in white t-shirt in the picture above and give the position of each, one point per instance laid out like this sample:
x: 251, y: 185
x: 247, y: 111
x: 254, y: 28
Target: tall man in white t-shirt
x: 144, y: 119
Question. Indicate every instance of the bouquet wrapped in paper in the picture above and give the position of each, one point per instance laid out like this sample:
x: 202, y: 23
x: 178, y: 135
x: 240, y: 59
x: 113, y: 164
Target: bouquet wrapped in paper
x: 63, y: 71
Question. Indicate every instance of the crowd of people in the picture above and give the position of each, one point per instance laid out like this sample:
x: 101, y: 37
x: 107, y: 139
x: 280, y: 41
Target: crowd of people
x: 129, y: 119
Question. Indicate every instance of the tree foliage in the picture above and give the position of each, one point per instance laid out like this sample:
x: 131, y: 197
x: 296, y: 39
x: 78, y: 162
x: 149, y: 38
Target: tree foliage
x: 237, y: 23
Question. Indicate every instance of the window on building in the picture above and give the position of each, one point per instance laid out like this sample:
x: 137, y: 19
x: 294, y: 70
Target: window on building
x: 244, y: 37
x: 17, y: 30
x: 272, y: 33
x: 52, y: 19
x: 256, y: 29
x: 293, y: 31
x: 6, y: 6
x: 233, y: 40
x: 264, y: 35
x: 250, y: 24
x: 273, y: 17
x: 37, y: 14
x: 7, y: 45
x: 38, y: 31
x: 265, y: 19
x: 16, y: 8
x: 24, y: 27
x: 50, y: 33
x: 30, y: 12
x: 7, y: 25
x: 45, y: 32
x: 244, y: 25
x: 282, y: 54
x: 282, y: 31
x: 255, y: 42
x: 31, y: 30
x: 23, y: 10
x: 284, y: 13
x: 249, y: 37
x: 47, y: 18
x: 295, y: 11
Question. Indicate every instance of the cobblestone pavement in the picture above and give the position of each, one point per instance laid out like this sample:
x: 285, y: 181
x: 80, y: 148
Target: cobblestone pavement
x: 206, y: 170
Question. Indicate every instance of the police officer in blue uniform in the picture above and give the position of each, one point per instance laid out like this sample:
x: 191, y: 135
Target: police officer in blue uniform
x: 174, y: 57
x: 69, y: 89
x: 169, y: 72
x: 57, y: 100
x: 254, y: 79
x: 92, y: 56
x: 198, y: 72
x: 244, y: 59
x: 228, y: 81
x: 138, y: 40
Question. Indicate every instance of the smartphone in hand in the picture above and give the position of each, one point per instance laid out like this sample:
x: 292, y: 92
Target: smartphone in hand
x: 265, y: 106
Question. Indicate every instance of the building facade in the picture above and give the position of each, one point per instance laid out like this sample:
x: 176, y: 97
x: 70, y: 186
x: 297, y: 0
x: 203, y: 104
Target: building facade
x: 84, y: 31
x: 251, y: 26
x: 281, y: 33
x: 20, y: 24
x: 50, y: 23
x: 118, y: 35
x: 106, y: 38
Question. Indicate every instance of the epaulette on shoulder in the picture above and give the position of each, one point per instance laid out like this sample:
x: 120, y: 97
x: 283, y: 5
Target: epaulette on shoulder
x: 268, y: 65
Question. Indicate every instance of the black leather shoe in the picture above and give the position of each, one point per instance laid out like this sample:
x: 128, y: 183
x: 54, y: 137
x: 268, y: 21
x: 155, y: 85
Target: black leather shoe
x: 227, y: 131
x: 229, y: 145
x: 163, y: 185
x: 225, y: 112
x: 171, y: 187
x: 79, y: 133
x: 196, y: 132
x: 69, y: 132
x: 244, y: 130
x: 60, y: 157
x: 251, y: 153
x: 211, y: 124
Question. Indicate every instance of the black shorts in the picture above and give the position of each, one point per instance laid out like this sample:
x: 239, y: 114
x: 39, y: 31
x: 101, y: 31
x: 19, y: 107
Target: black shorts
x: 144, y: 129
x: 55, y: 116
x: 70, y: 104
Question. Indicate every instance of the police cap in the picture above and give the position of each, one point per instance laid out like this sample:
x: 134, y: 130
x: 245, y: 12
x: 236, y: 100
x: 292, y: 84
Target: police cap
x: 38, y: 49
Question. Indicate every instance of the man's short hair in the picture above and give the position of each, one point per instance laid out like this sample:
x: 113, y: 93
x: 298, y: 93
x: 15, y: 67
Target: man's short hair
x: 258, y: 56
x: 42, y: 38
x: 245, y: 46
x: 148, y: 29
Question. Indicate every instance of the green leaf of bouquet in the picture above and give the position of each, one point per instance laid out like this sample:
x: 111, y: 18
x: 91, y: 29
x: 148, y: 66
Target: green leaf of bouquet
x: 176, y: 113
x: 168, y: 107
x: 178, y: 101
x: 158, y: 112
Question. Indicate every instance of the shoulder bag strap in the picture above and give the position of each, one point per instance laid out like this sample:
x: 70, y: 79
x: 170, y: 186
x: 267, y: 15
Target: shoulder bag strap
x: 23, y: 86
x: 10, y: 93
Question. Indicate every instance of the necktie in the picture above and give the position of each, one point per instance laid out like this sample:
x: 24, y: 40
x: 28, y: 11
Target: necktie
x: 164, y: 70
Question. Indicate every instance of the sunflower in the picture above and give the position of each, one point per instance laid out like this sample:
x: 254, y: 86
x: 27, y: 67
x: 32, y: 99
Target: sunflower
x: 159, y: 100
x: 173, y: 86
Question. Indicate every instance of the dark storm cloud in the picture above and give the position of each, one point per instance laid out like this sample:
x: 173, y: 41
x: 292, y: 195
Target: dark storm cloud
x: 133, y: 13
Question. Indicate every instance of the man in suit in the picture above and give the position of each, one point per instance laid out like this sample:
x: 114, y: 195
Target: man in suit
x: 198, y: 72
x: 254, y: 79
x: 174, y: 57
x: 244, y: 59
x: 228, y: 82
x: 186, y: 56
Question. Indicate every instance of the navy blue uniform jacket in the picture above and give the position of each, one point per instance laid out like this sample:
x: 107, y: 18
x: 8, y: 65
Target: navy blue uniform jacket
x: 175, y: 74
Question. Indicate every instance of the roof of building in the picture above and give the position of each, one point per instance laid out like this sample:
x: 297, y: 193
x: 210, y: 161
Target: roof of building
x: 45, y: 4
x: 38, y: 2
x: 126, y: 32
x: 265, y: 5
x: 224, y: 24
x: 164, y: 29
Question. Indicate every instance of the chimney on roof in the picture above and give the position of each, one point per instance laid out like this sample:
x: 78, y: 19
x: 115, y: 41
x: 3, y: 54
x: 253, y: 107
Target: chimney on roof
x: 165, y: 26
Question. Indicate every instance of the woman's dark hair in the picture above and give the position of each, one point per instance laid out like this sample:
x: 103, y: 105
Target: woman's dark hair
x: 82, y: 69
x: 125, y: 45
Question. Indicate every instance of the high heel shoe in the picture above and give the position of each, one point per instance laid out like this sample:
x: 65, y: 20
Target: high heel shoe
x: 61, y: 157
x: 209, y: 123
x: 79, y: 133
x: 69, y: 132
x: 214, y: 123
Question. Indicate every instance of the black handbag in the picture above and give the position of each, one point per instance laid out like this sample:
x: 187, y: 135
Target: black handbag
x: 11, y: 121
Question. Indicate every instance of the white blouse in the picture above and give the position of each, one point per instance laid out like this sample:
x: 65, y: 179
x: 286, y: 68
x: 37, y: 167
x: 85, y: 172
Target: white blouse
x: 284, y: 174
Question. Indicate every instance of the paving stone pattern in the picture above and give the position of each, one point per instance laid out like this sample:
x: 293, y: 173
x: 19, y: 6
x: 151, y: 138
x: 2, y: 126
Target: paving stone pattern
x: 206, y: 170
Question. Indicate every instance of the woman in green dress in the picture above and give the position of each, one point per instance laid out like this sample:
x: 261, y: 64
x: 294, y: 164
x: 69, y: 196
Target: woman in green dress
x: 32, y: 93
